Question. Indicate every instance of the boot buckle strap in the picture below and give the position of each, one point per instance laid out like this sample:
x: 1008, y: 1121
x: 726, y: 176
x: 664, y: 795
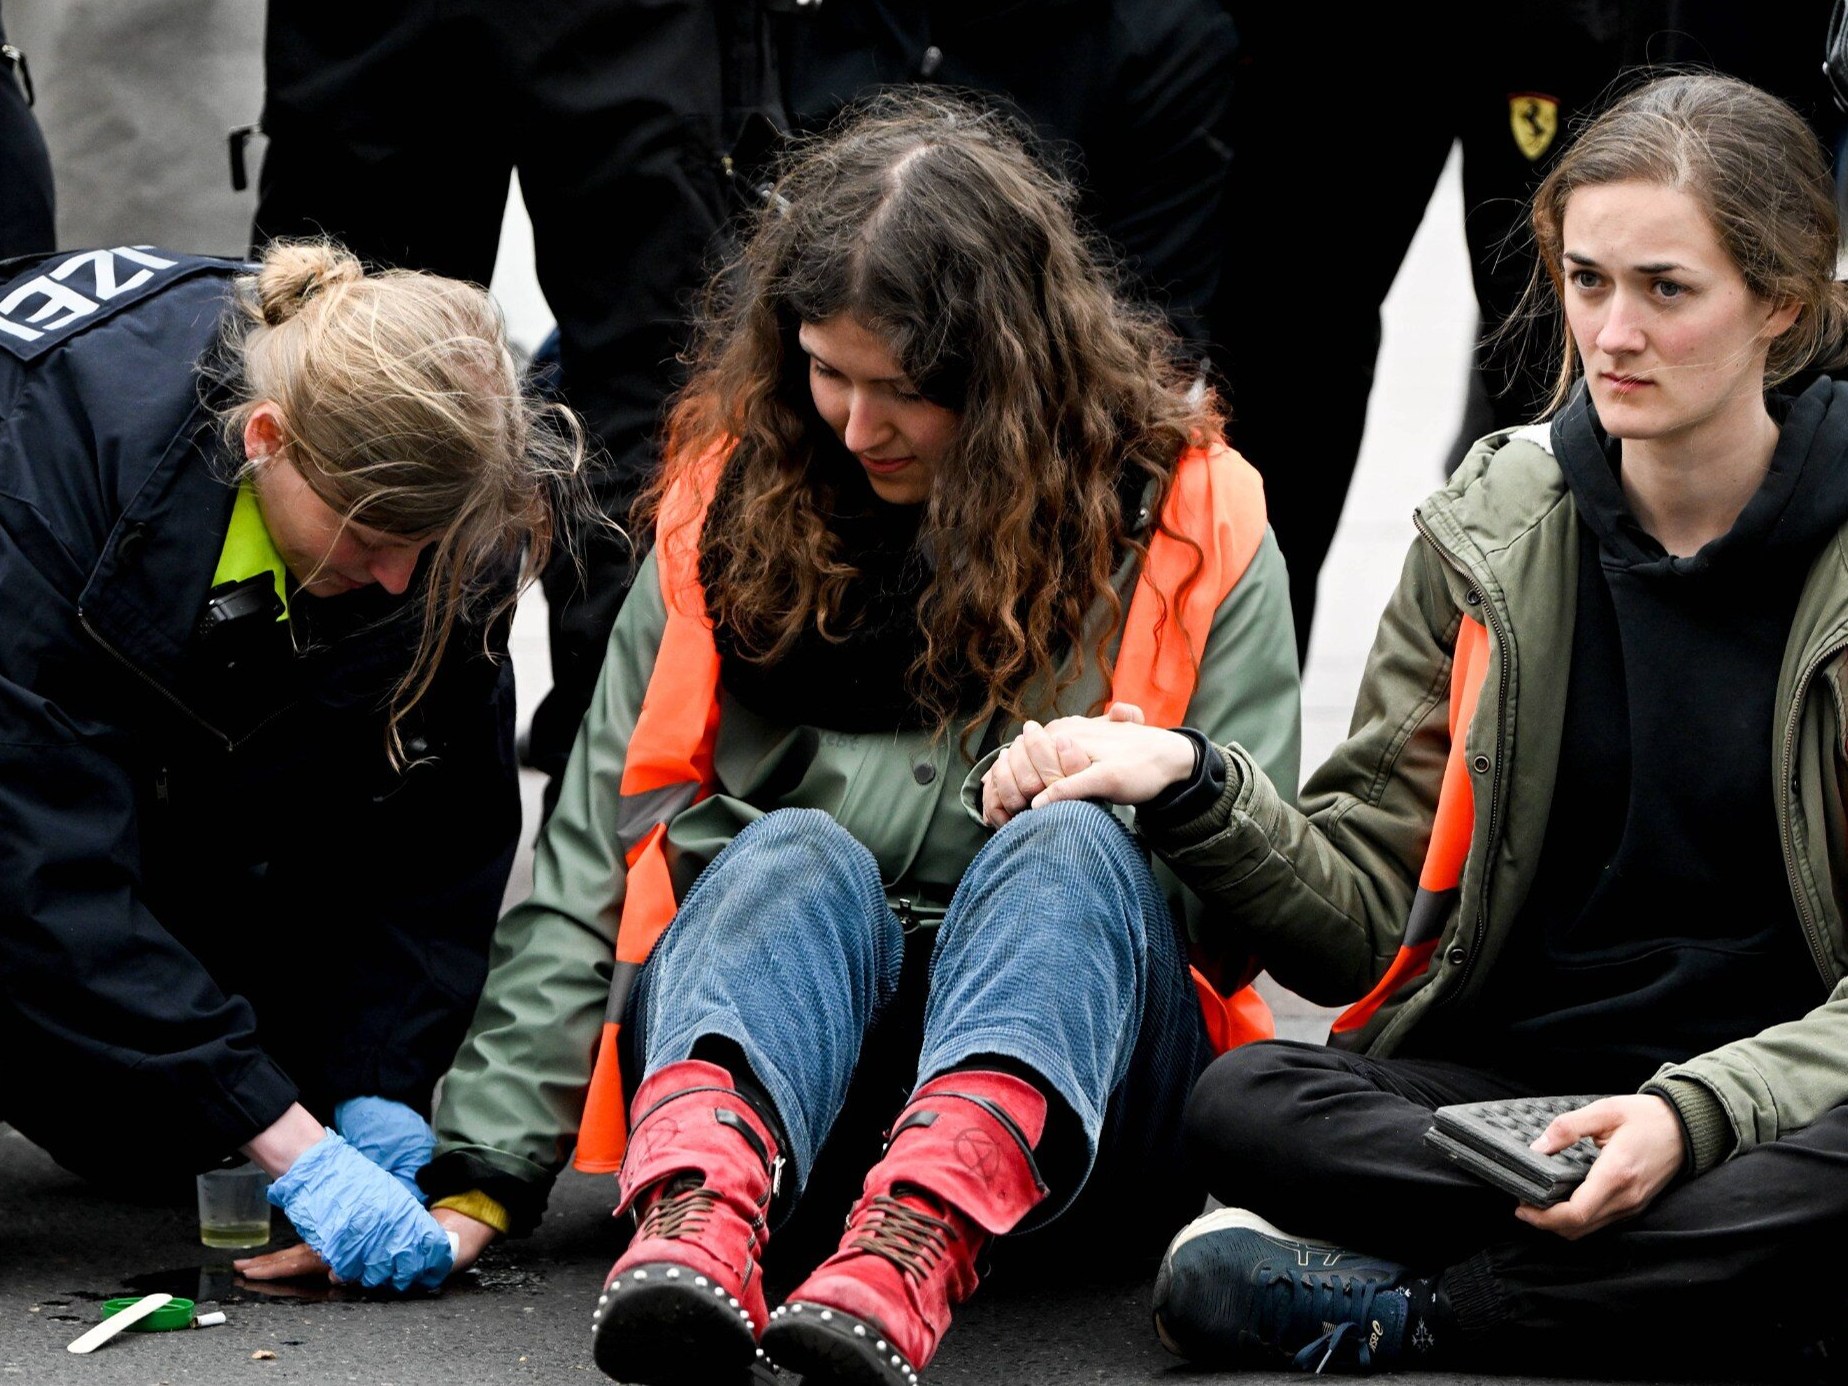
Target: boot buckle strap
x: 917, y: 1116
x: 726, y: 1117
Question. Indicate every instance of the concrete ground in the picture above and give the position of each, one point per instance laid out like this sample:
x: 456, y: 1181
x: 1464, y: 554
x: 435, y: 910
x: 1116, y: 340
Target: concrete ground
x: 135, y: 97
x: 523, y: 1315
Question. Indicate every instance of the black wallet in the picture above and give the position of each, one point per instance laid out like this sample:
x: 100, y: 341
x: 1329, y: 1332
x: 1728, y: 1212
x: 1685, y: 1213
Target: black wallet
x: 1492, y: 1141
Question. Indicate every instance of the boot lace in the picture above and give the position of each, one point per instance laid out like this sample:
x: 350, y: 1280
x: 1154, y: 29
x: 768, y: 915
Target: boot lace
x: 682, y: 1209
x: 912, y: 1240
x: 1290, y: 1303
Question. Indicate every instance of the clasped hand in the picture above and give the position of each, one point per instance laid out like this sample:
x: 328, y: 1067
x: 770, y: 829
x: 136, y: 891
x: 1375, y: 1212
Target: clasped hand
x: 1639, y: 1151
x: 1116, y: 757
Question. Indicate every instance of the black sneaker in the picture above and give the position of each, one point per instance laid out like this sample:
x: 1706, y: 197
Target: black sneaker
x: 1233, y: 1291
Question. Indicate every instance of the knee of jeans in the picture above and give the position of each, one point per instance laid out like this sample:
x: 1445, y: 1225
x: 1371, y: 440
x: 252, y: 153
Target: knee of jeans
x: 804, y: 850
x: 808, y: 830
x: 1073, y: 825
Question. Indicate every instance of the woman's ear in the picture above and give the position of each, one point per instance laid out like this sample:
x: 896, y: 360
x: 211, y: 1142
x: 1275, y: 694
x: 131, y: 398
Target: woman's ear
x: 1783, y: 317
x: 263, y: 434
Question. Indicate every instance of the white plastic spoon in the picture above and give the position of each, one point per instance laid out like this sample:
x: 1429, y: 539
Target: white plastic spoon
x: 115, y: 1323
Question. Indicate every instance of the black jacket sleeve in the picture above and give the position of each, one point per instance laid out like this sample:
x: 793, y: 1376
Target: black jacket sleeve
x: 119, y: 1037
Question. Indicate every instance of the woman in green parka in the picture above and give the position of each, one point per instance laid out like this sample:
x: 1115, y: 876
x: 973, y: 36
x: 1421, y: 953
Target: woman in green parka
x: 1612, y: 871
x: 931, y: 479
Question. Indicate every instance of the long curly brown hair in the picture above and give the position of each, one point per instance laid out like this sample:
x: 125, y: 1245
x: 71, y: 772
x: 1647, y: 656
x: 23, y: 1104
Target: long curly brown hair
x: 926, y: 219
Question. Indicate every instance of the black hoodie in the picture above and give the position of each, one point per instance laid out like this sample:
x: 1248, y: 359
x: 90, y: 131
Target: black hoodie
x: 1660, y: 924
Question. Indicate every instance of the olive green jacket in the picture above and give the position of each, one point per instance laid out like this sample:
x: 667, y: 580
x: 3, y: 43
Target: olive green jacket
x: 511, y: 1103
x: 1323, y: 893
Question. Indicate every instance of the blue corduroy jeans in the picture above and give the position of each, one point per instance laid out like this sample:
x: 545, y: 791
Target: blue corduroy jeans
x: 1058, y: 953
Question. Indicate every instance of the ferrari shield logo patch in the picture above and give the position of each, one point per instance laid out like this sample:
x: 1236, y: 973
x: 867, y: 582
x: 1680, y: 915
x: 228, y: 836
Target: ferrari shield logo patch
x: 1534, y: 117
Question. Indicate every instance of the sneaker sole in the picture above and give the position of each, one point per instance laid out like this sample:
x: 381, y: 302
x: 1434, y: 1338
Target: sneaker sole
x: 651, y: 1330
x: 828, y: 1347
x: 1217, y: 1349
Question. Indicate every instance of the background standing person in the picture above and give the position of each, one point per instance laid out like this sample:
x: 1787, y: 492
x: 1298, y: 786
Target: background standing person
x: 259, y: 535
x: 1136, y: 96
x: 1551, y: 848
x: 25, y: 168
x: 395, y: 128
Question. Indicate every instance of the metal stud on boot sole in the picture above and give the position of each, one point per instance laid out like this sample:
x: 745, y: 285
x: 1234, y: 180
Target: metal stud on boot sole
x: 829, y: 1347
x: 654, y: 1326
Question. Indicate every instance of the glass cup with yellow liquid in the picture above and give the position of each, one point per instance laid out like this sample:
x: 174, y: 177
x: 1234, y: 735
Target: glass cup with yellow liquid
x: 234, y: 1210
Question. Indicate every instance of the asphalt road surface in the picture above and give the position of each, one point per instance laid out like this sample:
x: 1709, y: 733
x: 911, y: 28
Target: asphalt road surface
x: 522, y: 1316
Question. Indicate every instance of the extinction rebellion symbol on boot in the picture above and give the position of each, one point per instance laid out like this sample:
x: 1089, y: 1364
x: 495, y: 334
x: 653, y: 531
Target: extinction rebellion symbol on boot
x: 978, y: 1152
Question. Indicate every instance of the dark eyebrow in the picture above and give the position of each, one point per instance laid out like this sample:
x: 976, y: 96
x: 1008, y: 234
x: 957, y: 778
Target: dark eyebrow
x: 901, y: 379
x: 1578, y: 257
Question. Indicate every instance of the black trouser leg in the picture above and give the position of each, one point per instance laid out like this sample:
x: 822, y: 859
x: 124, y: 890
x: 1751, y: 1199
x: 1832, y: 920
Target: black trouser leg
x: 1298, y: 365
x: 619, y: 154
x: 1330, y: 1145
x: 397, y: 132
x: 1728, y: 1270
x: 389, y: 131
x: 25, y: 171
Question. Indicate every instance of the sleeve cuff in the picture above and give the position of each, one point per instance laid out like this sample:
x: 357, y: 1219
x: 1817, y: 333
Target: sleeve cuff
x: 477, y: 1205
x: 518, y: 1186
x: 1172, y: 831
x: 1191, y: 797
x: 1706, y: 1134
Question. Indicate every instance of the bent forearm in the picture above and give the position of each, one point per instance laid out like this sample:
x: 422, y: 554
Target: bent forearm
x: 278, y: 1145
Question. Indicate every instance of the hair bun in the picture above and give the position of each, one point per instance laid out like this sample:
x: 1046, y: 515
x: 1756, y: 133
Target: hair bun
x: 295, y: 271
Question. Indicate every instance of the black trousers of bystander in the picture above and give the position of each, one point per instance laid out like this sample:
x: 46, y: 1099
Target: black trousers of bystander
x: 1330, y: 1145
x: 25, y: 166
x: 394, y: 128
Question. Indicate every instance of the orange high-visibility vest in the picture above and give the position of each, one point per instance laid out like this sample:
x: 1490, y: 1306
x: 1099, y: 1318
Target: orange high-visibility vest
x: 1451, y: 829
x: 1216, y: 501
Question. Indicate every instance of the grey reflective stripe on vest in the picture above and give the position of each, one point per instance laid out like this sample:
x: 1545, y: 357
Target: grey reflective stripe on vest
x: 637, y: 814
x: 1424, y: 921
x: 622, y: 982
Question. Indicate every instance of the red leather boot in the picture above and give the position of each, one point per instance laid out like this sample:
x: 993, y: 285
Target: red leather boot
x: 957, y: 1170
x: 684, y: 1305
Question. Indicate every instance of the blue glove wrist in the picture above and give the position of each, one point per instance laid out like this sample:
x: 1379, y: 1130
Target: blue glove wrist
x: 390, y: 1135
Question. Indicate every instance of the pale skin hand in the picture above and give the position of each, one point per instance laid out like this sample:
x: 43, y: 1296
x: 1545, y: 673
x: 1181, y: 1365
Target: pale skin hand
x: 472, y: 1238
x: 1639, y: 1151
x: 1116, y: 757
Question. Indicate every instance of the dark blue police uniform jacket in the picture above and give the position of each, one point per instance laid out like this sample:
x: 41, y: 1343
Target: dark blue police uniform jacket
x: 217, y: 897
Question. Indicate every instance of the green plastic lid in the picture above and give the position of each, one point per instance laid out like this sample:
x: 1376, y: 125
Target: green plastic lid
x: 175, y: 1313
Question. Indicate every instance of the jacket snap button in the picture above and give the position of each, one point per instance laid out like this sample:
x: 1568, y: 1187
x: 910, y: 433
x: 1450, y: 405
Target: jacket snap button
x: 1457, y: 954
x: 130, y: 543
x: 923, y: 772
x: 1480, y: 765
x: 1473, y: 596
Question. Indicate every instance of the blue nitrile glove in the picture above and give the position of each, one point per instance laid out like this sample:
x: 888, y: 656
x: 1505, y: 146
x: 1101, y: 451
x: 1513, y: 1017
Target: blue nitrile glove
x: 390, y: 1135
x: 366, y: 1227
